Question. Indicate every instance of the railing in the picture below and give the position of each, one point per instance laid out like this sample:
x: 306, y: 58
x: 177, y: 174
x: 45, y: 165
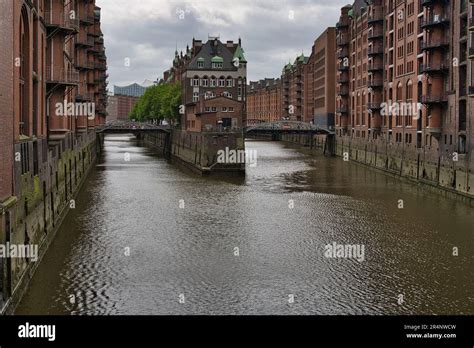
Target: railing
x: 377, y: 49
x: 375, y: 16
x: 53, y: 18
x: 434, y: 98
x: 375, y: 66
x: 375, y: 83
x: 375, y: 34
x: 434, y: 43
x: 436, y: 66
x: 434, y: 20
x: 61, y: 75
x: 83, y: 39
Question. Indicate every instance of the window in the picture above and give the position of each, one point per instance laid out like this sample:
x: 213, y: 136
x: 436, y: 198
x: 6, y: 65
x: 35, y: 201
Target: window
x: 205, y: 82
x: 227, y: 94
x: 200, y: 64
x: 222, y: 82
x: 231, y: 109
x: 217, y: 65
x: 213, y: 109
x: 207, y: 109
x: 224, y: 109
x: 230, y: 82
x: 213, y: 81
x: 195, y: 81
x: 195, y: 96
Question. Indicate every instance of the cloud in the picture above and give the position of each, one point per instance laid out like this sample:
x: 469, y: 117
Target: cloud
x: 147, y: 32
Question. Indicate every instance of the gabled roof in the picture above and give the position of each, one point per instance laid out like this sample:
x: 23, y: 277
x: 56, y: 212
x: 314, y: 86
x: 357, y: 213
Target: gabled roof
x: 239, y: 54
x: 213, y: 51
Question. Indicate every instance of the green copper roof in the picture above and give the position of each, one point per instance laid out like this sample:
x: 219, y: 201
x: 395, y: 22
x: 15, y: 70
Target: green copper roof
x: 239, y: 53
x: 350, y: 13
x: 301, y: 58
x: 201, y: 59
x: 217, y: 59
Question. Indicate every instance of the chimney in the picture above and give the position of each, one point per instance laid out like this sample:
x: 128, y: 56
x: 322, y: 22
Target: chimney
x: 230, y: 44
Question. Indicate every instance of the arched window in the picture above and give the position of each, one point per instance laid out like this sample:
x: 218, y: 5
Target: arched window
x: 25, y: 77
x: 222, y: 81
x: 205, y: 81
x: 230, y: 81
x: 195, y: 82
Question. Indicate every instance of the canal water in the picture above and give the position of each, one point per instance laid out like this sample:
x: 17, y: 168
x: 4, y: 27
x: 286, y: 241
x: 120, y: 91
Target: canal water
x: 148, y: 238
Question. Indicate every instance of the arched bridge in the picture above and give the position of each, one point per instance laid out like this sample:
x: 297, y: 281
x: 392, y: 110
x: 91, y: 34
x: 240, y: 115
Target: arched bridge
x: 283, y: 126
x: 125, y: 126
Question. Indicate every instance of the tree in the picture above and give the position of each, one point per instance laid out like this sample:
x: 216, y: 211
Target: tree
x: 158, y: 103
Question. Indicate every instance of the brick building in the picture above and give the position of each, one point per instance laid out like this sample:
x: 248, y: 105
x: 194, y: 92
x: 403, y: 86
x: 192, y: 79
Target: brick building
x: 264, y: 101
x: 52, y: 95
x: 306, y: 91
x: 403, y: 85
x: 213, y: 77
x: 120, y: 106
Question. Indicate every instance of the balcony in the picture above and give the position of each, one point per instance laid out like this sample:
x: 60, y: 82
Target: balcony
x: 434, y: 44
x: 375, y: 83
x: 83, y: 40
x: 342, y: 41
x: 375, y: 67
x: 342, y: 109
x: 342, y: 53
x: 100, y: 66
x: 375, y: 34
x: 375, y: 50
x: 374, y: 17
x: 86, y: 19
x: 434, y: 20
x: 434, y: 99
x: 83, y: 64
x: 343, y: 91
x: 343, y: 79
x: 342, y: 67
x: 429, y: 3
x: 374, y: 106
x: 437, y: 67
x: 60, y: 76
x: 61, y: 21
x: 341, y: 25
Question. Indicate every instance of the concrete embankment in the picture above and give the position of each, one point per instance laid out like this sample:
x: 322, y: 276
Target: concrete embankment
x: 47, y: 187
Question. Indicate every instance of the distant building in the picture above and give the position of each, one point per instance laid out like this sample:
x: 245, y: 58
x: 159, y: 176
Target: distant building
x: 133, y: 90
x: 120, y: 106
x: 264, y: 101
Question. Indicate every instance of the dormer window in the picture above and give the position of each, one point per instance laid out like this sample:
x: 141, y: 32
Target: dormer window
x: 217, y: 62
x: 200, y: 63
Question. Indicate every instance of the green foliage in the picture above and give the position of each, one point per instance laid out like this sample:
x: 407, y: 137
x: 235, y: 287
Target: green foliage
x: 158, y: 103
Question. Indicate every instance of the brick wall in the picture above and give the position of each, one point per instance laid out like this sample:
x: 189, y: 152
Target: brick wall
x: 6, y: 99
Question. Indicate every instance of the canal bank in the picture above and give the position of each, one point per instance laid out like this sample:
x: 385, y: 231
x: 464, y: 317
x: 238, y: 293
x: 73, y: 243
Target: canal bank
x: 198, y: 151
x: 447, y: 175
x: 144, y: 233
x: 47, y: 193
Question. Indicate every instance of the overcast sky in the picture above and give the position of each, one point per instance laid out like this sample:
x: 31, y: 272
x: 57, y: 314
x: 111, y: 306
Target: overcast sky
x: 146, y: 32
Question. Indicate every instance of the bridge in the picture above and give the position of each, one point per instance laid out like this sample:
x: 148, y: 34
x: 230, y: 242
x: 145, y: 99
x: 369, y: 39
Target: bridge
x: 284, y: 126
x: 125, y: 126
